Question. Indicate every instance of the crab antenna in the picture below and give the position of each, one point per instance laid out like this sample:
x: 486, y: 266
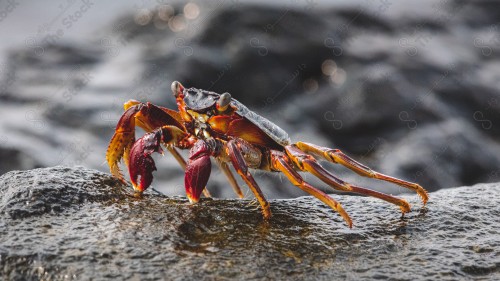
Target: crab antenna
x: 223, y: 102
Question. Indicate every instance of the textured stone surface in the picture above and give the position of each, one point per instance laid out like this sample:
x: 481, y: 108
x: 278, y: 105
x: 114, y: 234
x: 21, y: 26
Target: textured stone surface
x: 80, y: 224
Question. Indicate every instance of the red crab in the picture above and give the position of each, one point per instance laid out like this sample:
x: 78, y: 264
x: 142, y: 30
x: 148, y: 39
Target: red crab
x: 216, y: 125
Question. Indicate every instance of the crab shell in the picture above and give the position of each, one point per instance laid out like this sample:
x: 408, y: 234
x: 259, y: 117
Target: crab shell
x: 201, y: 101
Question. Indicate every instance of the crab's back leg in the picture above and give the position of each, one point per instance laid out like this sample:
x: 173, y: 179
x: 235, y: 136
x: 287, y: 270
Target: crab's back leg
x: 241, y: 167
x: 337, y: 156
x: 280, y: 162
x: 307, y: 163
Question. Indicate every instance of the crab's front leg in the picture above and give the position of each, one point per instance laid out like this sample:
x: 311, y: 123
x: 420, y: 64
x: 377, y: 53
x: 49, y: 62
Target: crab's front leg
x: 122, y: 140
x: 141, y: 164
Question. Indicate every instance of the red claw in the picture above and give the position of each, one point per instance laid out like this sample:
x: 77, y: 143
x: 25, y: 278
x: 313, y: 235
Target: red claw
x: 142, y: 164
x: 197, y: 170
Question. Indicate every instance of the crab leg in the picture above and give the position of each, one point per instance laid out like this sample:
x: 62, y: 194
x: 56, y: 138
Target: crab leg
x: 280, y: 162
x: 307, y: 163
x: 177, y: 157
x: 122, y: 141
x: 230, y: 177
x: 242, y: 169
x: 337, y: 156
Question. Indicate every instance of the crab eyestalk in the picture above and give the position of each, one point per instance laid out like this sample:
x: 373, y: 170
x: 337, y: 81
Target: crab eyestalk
x: 178, y: 92
x: 223, y: 102
x: 177, y: 89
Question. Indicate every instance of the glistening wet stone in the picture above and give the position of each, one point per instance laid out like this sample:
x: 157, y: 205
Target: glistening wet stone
x: 80, y: 224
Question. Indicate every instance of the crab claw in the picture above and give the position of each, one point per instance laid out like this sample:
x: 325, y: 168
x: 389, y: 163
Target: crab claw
x: 197, y: 171
x: 142, y: 165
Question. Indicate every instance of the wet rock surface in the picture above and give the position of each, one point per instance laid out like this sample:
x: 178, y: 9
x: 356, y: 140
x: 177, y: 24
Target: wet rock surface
x: 80, y: 224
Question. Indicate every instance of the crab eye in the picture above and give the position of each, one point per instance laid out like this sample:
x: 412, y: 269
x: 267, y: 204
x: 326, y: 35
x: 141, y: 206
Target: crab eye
x: 177, y: 88
x: 223, y: 101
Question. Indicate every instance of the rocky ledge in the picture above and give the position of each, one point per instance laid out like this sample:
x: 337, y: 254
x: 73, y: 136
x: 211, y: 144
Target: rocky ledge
x: 76, y: 223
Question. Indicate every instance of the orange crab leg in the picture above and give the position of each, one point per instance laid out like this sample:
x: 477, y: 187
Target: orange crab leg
x: 280, y: 162
x: 307, y: 163
x: 242, y: 169
x: 230, y: 177
x: 337, y: 156
x: 122, y: 141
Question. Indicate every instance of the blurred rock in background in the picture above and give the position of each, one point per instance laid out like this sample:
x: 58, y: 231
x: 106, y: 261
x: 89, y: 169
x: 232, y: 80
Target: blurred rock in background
x: 410, y: 89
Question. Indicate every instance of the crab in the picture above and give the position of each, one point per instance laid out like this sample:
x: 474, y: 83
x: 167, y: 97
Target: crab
x: 213, y: 125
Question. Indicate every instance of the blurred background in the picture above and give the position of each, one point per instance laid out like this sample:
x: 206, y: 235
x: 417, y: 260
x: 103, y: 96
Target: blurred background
x: 409, y: 88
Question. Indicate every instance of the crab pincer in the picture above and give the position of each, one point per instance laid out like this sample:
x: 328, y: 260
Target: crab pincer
x: 142, y: 165
x: 198, y: 170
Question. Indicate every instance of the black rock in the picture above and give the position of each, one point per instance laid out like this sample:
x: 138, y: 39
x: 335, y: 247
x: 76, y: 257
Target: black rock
x: 80, y: 224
